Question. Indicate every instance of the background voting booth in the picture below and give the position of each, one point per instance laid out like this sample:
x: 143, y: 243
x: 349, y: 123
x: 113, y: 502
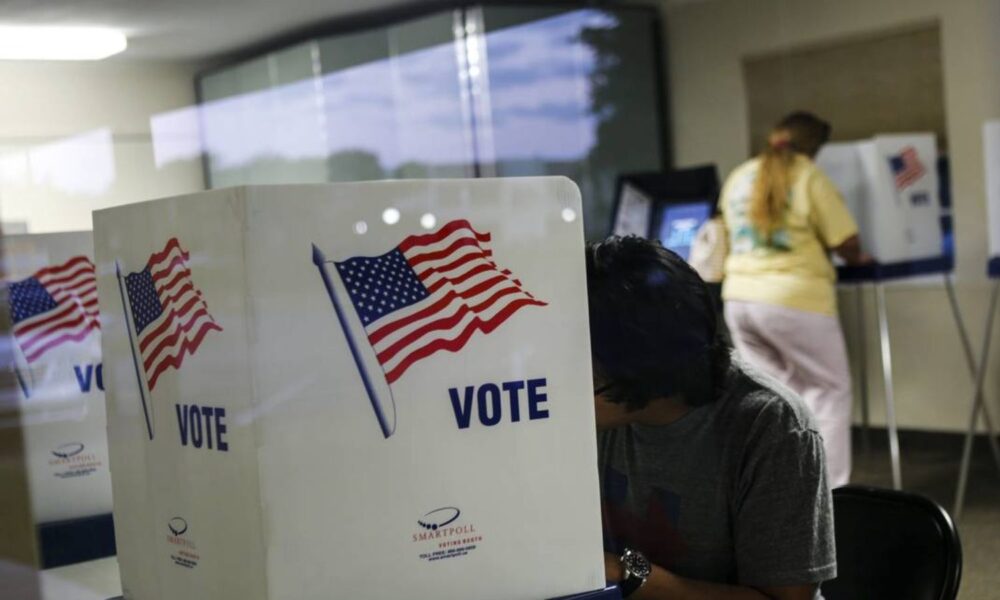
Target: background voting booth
x: 56, y: 333
x: 891, y: 185
x: 381, y: 389
x: 991, y: 154
x: 668, y: 206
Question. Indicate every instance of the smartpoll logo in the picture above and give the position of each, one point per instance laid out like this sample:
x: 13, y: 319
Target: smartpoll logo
x: 444, y: 536
x: 68, y: 450
x: 439, y: 518
x: 431, y: 293
x: 184, y: 552
x: 70, y: 461
x: 177, y: 526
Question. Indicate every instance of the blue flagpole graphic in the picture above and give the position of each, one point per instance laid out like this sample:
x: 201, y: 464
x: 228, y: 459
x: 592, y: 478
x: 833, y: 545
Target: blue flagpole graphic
x: 131, y: 345
x: 20, y: 380
x: 320, y: 261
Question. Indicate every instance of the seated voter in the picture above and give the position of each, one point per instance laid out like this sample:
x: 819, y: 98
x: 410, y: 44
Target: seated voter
x: 711, y: 476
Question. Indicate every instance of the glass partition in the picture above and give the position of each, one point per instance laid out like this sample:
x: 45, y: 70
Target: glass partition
x: 493, y: 91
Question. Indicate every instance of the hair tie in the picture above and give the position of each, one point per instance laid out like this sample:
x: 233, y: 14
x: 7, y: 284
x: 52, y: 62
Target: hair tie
x: 780, y: 140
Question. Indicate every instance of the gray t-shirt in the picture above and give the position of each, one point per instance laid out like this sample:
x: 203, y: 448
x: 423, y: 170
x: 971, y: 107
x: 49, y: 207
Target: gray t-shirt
x: 733, y: 492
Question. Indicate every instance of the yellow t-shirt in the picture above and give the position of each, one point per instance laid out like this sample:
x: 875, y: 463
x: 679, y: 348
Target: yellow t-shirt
x: 795, y: 269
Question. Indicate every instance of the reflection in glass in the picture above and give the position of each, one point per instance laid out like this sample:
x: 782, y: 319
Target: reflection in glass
x: 493, y: 91
x: 574, y: 93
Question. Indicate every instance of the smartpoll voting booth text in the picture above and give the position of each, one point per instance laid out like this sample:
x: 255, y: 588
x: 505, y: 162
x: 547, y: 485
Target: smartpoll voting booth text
x: 52, y: 305
x: 364, y: 390
x: 891, y: 185
x: 667, y: 206
x: 991, y: 164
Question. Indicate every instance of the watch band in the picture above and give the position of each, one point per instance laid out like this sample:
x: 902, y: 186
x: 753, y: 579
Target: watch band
x: 636, y: 568
x: 630, y: 584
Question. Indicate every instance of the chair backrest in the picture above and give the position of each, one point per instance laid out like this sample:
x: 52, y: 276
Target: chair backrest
x: 893, y: 544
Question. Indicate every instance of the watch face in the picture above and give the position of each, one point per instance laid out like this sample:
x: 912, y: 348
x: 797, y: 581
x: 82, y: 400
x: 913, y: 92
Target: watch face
x: 637, y: 564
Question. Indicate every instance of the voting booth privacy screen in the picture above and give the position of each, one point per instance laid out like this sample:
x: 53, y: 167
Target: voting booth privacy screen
x: 372, y: 390
x: 667, y: 206
x: 991, y: 153
x: 52, y: 303
x: 890, y: 185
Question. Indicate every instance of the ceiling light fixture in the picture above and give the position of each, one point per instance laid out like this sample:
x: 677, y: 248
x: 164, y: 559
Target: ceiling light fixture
x: 23, y: 42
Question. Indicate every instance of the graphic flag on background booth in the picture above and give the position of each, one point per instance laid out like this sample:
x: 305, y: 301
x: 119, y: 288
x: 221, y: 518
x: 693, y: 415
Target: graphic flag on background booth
x: 55, y: 306
x: 430, y: 293
x: 168, y: 312
x: 906, y: 167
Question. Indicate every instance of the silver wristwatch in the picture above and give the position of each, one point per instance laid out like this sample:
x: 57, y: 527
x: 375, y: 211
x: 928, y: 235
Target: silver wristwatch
x: 637, y: 569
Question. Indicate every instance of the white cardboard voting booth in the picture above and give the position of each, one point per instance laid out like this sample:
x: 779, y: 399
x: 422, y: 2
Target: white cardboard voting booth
x: 890, y: 185
x: 56, y: 337
x: 991, y: 154
x: 372, y: 390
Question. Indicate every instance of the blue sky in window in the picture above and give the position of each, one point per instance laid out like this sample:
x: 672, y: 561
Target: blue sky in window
x: 409, y: 107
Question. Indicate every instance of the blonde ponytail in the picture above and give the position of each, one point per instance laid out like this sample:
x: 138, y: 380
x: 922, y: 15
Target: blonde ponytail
x: 769, y: 197
x: 798, y: 133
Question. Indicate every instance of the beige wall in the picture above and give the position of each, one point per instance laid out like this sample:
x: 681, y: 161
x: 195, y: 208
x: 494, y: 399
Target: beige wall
x: 75, y: 136
x: 50, y: 180
x: 707, y: 42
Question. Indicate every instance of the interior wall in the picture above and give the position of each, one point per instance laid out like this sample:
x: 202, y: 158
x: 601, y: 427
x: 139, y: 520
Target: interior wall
x: 886, y: 82
x: 707, y: 43
x: 76, y: 136
x: 73, y: 137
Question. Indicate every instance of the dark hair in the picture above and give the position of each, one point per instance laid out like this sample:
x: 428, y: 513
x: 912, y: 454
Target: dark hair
x: 654, y: 326
x: 806, y: 132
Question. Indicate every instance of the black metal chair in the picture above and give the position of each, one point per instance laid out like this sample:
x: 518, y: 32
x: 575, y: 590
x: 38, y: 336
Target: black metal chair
x: 893, y: 544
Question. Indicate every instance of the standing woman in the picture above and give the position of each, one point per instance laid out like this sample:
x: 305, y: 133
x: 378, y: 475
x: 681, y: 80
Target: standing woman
x: 784, y: 217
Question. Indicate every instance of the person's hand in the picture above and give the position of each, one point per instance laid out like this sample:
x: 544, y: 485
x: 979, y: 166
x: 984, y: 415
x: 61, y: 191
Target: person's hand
x: 613, y: 570
x: 866, y: 259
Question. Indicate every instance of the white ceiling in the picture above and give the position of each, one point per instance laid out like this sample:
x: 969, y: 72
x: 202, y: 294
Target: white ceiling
x: 192, y: 30
x: 206, y: 30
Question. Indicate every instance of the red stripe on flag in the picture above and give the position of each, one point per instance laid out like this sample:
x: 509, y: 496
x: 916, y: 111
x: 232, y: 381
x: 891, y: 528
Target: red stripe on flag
x: 67, y: 323
x: 380, y: 333
x: 59, y: 268
x: 58, y: 280
x: 179, y: 279
x: 77, y: 291
x: 459, y: 279
x: 432, y: 238
x: 439, y: 254
x: 178, y: 329
x: 61, y: 340
x: 172, y: 244
x: 186, y: 347
x: 388, y: 328
x: 21, y: 329
x: 423, y: 275
x: 173, y: 315
x: 455, y: 344
x: 170, y: 269
x: 438, y: 325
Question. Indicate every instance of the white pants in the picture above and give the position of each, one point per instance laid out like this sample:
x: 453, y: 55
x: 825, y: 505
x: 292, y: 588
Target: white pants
x: 806, y: 352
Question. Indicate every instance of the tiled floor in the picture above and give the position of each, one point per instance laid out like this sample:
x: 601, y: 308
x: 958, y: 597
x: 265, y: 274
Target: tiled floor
x: 930, y: 465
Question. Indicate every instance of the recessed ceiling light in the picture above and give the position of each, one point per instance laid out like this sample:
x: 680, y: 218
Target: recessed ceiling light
x: 24, y: 42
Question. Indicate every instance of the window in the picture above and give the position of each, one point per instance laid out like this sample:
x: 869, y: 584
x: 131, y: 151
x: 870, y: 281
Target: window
x: 493, y: 91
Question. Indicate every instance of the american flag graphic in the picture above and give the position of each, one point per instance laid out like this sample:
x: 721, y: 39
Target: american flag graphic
x: 431, y: 293
x: 170, y: 316
x: 906, y: 167
x: 56, y: 305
